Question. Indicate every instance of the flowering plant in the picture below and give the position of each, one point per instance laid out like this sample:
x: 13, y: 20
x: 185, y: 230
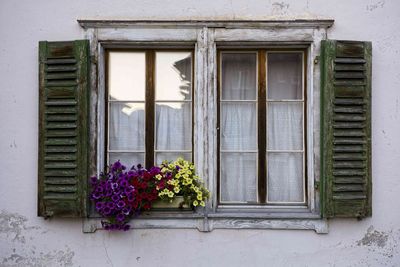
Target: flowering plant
x: 182, y: 180
x: 120, y: 194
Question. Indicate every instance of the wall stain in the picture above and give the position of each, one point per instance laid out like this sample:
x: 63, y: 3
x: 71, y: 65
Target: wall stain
x: 374, y: 238
x: 53, y: 258
x: 379, y: 4
x: 19, y: 237
x: 12, y: 225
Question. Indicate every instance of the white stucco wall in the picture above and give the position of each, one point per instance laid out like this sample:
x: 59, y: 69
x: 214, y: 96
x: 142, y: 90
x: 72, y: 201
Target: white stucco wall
x: 26, y: 240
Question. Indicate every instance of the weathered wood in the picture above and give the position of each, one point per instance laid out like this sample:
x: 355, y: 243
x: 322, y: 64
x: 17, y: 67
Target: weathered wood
x: 346, y: 129
x: 63, y: 89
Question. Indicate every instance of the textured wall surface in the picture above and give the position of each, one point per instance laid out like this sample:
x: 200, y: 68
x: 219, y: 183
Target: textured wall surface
x: 26, y: 240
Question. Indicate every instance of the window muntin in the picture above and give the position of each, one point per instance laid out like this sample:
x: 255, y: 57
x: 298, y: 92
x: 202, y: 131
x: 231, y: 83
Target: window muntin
x: 149, y: 109
x: 264, y: 178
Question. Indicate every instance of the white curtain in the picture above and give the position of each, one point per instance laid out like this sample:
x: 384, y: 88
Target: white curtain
x: 238, y: 124
x: 126, y: 132
x: 285, y: 128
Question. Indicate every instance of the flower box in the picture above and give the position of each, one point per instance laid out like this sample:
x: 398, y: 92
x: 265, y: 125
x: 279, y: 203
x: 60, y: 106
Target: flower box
x: 176, y: 204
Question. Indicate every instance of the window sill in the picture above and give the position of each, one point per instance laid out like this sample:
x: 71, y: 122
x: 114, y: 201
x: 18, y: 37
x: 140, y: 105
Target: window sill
x: 250, y: 220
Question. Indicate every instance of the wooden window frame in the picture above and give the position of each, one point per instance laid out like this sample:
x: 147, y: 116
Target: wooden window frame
x: 207, y: 37
x: 149, y: 101
x: 261, y: 123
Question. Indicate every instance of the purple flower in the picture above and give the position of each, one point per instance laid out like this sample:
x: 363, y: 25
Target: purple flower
x: 121, y: 204
x: 111, y: 205
x: 120, y: 217
x: 131, y: 197
x: 126, y: 210
x: 114, y: 186
x: 106, y: 210
x: 99, y: 206
x: 93, y: 180
x: 115, y: 198
x: 96, y: 195
x: 126, y: 227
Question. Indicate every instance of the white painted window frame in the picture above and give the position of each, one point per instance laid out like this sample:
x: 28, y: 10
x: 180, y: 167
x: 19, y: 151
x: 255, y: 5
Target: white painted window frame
x: 205, y: 37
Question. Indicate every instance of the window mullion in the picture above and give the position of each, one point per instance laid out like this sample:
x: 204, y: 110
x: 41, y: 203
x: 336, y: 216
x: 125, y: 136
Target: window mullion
x: 262, y: 126
x: 149, y: 108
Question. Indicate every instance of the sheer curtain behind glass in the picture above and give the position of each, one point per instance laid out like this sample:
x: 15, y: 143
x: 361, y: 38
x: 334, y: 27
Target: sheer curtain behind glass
x: 238, y: 127
x: 285, y: 127
x: 126, y: 113
x: 173, y: 122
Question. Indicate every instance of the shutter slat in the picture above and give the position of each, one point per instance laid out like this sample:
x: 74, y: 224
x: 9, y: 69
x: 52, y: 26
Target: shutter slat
x: 63, y: 118
x: 346, y: 128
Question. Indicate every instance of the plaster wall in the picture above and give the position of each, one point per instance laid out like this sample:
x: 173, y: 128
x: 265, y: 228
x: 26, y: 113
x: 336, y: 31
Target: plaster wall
x: 26, y: 240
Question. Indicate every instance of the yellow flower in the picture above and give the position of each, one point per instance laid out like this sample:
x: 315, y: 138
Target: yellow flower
x: 195, y: 203
x: 178, y: 175
x: 177, y: 189
x: 170, y: 194
x: 199, y: 197
x: 158, y: 176
x: 163, y: 170
x: 202, y: 203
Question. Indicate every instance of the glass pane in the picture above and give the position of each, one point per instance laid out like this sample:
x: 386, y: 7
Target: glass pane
x: 285, y: 73
x: 126, y: 126
x: 173, y: 126
x: 238, y: 126
x: 127, y: 159
x: 285, y: 177
x: 285, y: 126
x: 173, y: 76
x: 238, y: 177
x: 171, y: 156
x: 239, y: 75
x: 126, y: 76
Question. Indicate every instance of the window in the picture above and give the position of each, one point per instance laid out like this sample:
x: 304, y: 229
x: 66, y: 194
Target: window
x: 261, y: 127
x: 149, y: 106
x: 276, y: 118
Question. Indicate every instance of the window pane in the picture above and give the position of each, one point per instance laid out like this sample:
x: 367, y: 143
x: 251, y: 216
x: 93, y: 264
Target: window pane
x: 127, y: 159
x: 238, y: 177
x: 173, y: 76
x: 285, y: 177
x: 285, y: 126
x: 126, y: 76
x: 285, y: 76
x: 171, y: 156
x: 238, y: 126
x: 173, y: 126
x: 126, y: 126
x: 239, y: 75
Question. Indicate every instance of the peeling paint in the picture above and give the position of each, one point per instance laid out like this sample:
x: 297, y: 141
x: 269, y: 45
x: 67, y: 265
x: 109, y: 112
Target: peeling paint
x: 12, y: 225
x: 376, y: 5
x: 374, y: 238
x: 53, y: 258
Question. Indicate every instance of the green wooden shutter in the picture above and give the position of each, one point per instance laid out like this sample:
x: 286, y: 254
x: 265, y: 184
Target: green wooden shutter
x: 63, y: 128
x: 346, y: 128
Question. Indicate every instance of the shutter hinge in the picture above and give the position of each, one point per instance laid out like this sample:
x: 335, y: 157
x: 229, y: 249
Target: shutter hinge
x: 316, y: 185
x: 316, y: 60
x: 93, y: 60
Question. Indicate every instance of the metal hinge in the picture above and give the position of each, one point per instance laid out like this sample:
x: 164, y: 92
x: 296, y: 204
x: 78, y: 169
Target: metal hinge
x: 316, y: 185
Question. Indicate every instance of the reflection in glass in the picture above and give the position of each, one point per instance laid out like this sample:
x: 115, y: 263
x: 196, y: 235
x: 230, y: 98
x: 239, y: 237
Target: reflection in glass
x: 173, y: 126
x: 238, y: 126
x: 126, y: 126
x: 239, y: 75
x: 173, y: 76
x: 285, y: 177
x: 238, y: 177
x: 126, y: 76
x: 285, y: 126
x: 285, y: 75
